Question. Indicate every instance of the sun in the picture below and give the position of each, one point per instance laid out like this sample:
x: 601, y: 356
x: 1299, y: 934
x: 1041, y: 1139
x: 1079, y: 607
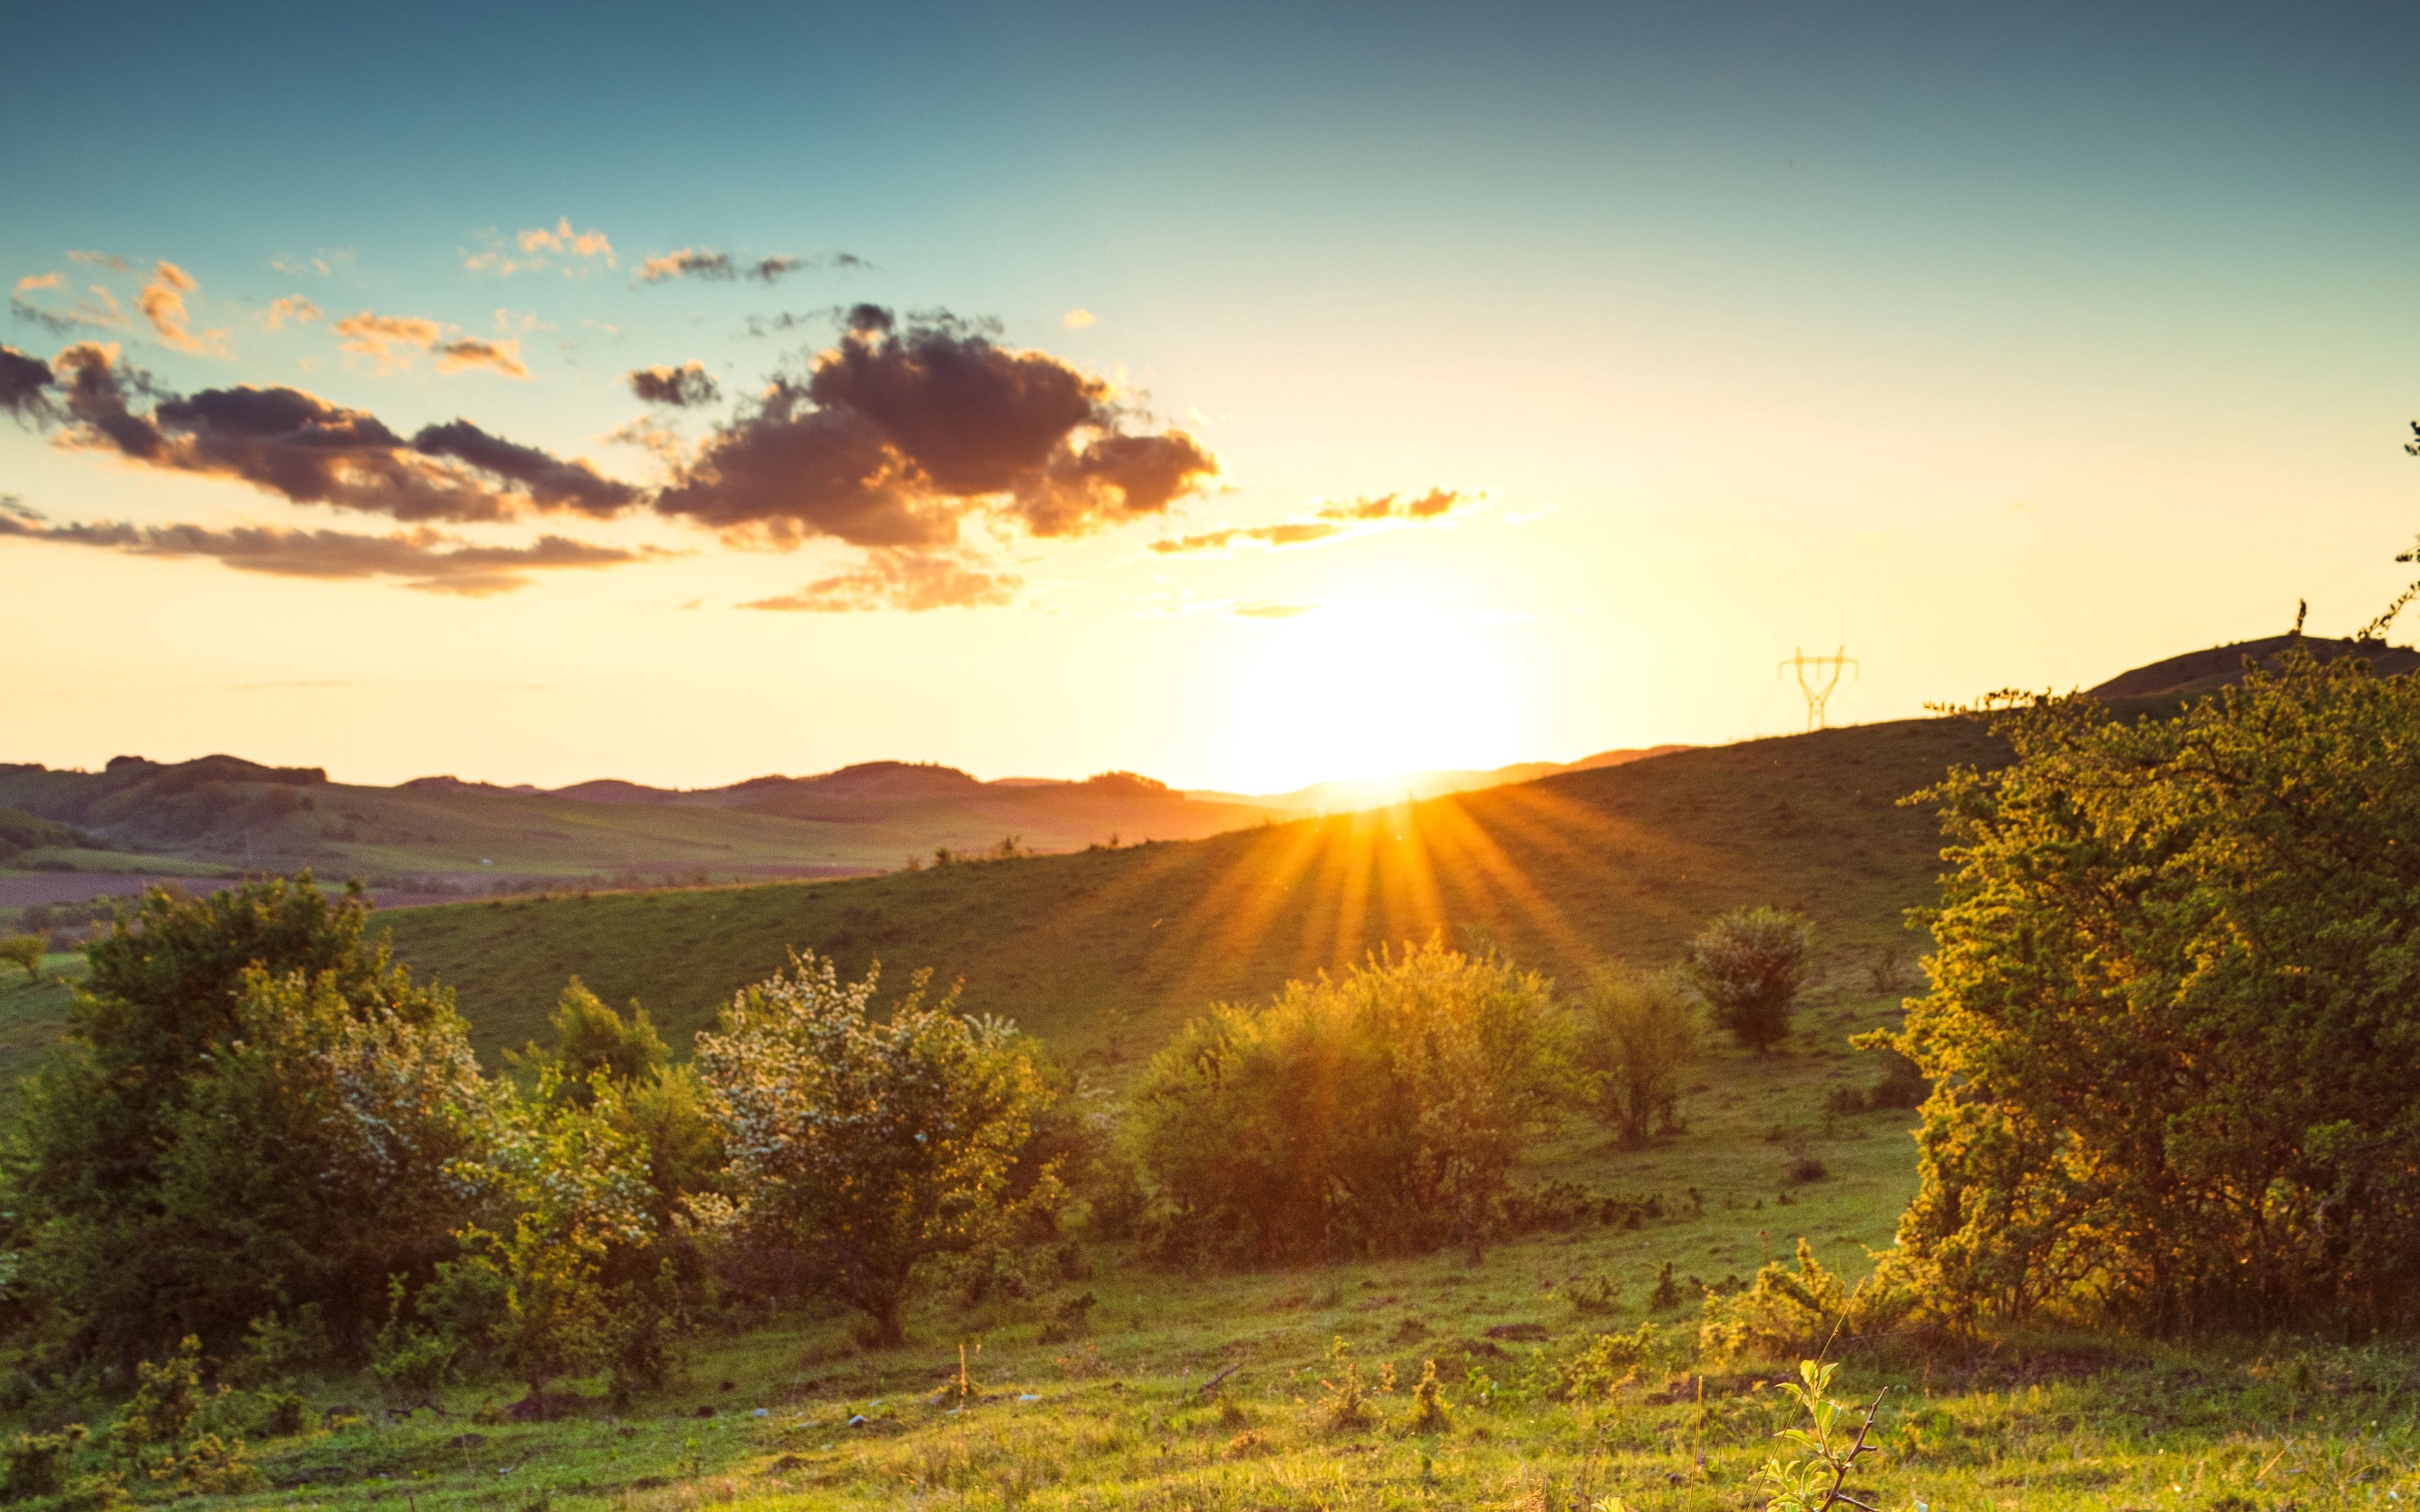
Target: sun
x: 1373, y: 688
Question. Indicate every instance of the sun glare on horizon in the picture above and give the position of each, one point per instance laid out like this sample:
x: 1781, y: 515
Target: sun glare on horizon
x: 1374, y: 687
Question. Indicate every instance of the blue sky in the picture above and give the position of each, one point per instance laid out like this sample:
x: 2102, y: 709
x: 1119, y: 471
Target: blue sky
x: 2011, y: 346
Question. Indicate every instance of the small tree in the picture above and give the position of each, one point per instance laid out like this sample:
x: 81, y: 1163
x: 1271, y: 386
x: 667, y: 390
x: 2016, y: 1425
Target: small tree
x: 572, y: 1188
x: 590, y: 1037
x: 1637, y: 1032
x: 1750, y: 964
x: 863, y: 1148
x: 26, y: 950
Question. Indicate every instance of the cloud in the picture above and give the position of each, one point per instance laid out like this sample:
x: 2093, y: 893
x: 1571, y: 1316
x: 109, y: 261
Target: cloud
x: 389, y: 338
x: 1076, y: 319
x: 312, y: 452
x: 1266, y: 610
x: 902, y: 579
x: 501, y: 357
x: 714, y: 267
x: 96, y: 309
x: 292, y: 310
x: 588, y: 244
x: 907, y: 428
x: 163, y: 303
x: 551, y: 482
x: 683, y: 387
x: 393, y: 338
x: 24, y: 386
x: 100, y: 259
x: 422, y: 559
x: 1355, y: 516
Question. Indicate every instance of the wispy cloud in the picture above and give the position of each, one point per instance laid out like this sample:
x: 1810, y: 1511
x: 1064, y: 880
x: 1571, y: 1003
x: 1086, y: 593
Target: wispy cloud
x: 540, y: 247
x: 423, y: 559
x: 292, y: 310
x: 392, y: 339
x: 1357, y: 517
x: 900, y: 578
x: 708, y: 263
x: 95, y: 309
x: 163, y: 303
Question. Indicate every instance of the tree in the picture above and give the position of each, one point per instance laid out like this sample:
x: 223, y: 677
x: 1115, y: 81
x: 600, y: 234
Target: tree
x: 589, y: 1037
x: 534, y: 1291
x: 1637, y: 1032
x: 1379, y: 1112
x: 253, y: 1113
x: 863, y: 1148
x: 2170, y: 1026
x: 26, y: 950
x: 1750, y: 964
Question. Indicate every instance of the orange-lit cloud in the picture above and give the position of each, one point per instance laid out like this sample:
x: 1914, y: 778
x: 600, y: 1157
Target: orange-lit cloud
x: 901, y: 430
x: 588, y: 244
x: 901, y: 578
x: 163, y: 303
x: 420, y: 558
x: 307, y: 450
x: 1076, y: 319
x: 292, y: 310
x: 393, y: 338
x: 96, y: 309
x: 683, y: 387
x: 1352, y: 518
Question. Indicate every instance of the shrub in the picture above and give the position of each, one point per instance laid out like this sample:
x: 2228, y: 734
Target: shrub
x: 255, y: 1114
x: 25, y: 950
x: 1378, y: 1112
x: 35, y: 1464
x: 1427, y: 1403
x: 864, y: 1148
x: 1637, y: 1032
x: 1344, y: 1402
x: 1750, y: 964
x: 2170, y: 1028
x: 1787, y: 1312
x: 1605, y: 1363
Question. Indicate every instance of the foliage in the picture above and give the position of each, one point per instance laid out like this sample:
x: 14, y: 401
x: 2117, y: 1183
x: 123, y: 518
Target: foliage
x: 1608, y: 1362
x: 35, y: 1464
x: 2170, y: 1026
x: 25, y: 950
x: 258, y: 1114
x: 157, y: 1436
x: 589, y: 1037
x: 1819, y: 1481
x: 861, y: 1147
x: 1804, y: 1309
x: 1637, y: 1033
x: 1427, y: 1403
x: 1750, y: 964
x: 1379, y: 1112
x: 1344, y: 1403
x: 571, y: 1187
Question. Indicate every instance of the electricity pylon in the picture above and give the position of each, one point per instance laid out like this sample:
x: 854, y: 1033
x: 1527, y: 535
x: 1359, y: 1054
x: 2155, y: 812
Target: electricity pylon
x: 1817, y: 688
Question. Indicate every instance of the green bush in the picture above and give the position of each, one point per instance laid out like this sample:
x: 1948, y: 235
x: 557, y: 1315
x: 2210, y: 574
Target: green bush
x: 1637, y: 1032
x: 863, y: 1148
x: 2170, y: 1030
x: 25, y: 950
x: 1378, y: 1112
x: 1750, y: 964
x: 35, y: 1464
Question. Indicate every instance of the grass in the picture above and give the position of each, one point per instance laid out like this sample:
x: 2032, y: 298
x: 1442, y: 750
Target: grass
x: 1112, y: 1417
x: 33, y: 1016
x: 1104, y: 952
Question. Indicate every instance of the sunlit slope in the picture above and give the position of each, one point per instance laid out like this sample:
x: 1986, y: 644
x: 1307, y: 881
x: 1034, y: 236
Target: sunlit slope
x: 1106, y: 951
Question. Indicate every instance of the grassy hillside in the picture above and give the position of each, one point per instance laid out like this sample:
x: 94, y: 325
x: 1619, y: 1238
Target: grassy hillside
x: 1105, y: 952
x: 1085, y: 1396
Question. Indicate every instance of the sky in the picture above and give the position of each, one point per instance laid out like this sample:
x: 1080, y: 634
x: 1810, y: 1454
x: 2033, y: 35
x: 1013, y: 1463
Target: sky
x: 1242, y: 396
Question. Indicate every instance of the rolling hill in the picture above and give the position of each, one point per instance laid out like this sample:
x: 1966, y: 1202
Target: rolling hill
x: 1106, y: 950
x: 228, y: 811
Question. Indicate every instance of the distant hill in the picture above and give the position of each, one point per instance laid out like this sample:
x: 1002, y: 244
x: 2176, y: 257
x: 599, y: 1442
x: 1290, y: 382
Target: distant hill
x: 243, y: 814
x: 1106, y: 951
x: 2203, y: 671
x: 1345, y: 796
